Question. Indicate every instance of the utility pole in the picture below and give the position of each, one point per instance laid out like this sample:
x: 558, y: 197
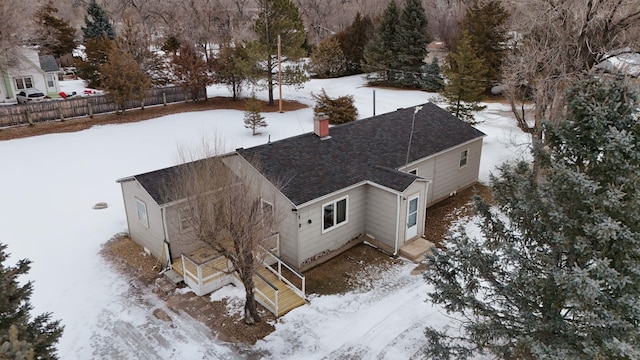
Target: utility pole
x: 280, y: 73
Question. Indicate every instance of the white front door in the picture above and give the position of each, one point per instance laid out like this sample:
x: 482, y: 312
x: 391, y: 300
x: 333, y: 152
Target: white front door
x: 412, y: 217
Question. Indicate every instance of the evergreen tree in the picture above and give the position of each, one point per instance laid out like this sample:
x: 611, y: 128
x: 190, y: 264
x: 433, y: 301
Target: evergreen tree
x: 97, y: 53
x: 555, y: 275
x: 412, y: 41
x: 465, y: 88
x: 328, y: 61
x: 191, y: 70
x: 232, y: 68
x: 253, y: 119
x: 21, y: 336
x: 339, y: 110
x: 431, y: 76
x: 486, y: 23
x: 97, y: 23
x: 353, y: 40
x: 278, y: 17
x: 123, y: 78
x: 55, y: 35
x: 381, y: 53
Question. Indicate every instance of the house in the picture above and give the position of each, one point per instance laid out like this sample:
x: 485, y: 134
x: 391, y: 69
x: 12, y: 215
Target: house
x: 29, y: 70
x: 373, y: 177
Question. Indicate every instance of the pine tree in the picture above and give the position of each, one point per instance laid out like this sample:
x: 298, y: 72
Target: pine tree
x: 555, y: 275
x: 328, y: 61
x: 413, y: 39
x: 97, y: 54
x: 381, y: 53
x: 339, y: 110
x: 432, y: 77
x: 353, y: 40
x: 21, y: 336
x: 123, y: 78
x: 465, y: 88
x: 55, y: 35
x: 253, y: 119
x: 278, y: 17
x: 97, y: 23
x: 486, y: 23
x: 232, y: 68
x: 191, y: 70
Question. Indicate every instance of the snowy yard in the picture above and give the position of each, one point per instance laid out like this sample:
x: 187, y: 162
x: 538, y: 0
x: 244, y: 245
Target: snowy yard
x: 51, y: 182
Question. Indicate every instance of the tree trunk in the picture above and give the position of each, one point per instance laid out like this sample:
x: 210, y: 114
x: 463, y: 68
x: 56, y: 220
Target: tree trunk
x: 250, y: 309
x: 270, y: 81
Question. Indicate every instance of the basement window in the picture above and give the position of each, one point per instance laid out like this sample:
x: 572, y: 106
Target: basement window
x: 141, y: 212
x: 334, y: 214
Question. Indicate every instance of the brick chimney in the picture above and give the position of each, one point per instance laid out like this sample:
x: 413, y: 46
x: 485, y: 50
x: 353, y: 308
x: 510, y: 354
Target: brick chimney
x: 321, y: 126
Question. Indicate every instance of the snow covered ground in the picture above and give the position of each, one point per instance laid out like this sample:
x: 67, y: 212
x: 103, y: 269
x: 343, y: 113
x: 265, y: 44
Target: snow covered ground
x: 50, y: 183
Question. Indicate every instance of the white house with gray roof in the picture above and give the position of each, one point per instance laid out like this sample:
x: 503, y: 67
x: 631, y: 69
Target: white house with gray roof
x: 364, y: 178
x: 29, y: 70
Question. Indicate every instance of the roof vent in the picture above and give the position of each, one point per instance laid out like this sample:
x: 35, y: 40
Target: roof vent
x: 321, y: 126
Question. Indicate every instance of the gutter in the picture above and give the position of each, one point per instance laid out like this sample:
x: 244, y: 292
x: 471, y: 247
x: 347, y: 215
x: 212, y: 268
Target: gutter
x: 395, y: 253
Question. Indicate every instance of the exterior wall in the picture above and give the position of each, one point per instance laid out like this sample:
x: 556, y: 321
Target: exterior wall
x: 313, y: 242
x: 180, y: 241
x: 151, y: 237
x: 382, y: 215
x: 286, y: 219
x: 28, y: 65
x: 445, y: 173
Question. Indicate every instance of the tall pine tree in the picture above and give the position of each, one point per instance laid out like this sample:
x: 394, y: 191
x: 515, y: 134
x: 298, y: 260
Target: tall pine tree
x: 413, y: 39
x: 353, y: 40
x: 97, y: 23
x: 55, y: 35
x: 278, y: 17
x: 328, y: 60
x: 381, y: 52
x: 20, y: 335
x: 555, y: 275
x: 123, y: 78
x: 191, y: 70
x: 465, y: 88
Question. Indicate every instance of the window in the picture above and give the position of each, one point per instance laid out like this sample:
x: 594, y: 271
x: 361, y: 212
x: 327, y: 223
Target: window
x: 141, y: 212
x: 51, y: 83
x: 414, y: 172
x: 23, y: 83
x: 185, y: 217
x: 463, y: 157
x: 267, y: 215
x: 334, y: 214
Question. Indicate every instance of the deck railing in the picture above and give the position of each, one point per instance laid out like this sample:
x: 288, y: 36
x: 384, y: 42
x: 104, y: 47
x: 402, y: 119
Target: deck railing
x: 270, y: 301
x: 271, y: 259
x: 204, y: 277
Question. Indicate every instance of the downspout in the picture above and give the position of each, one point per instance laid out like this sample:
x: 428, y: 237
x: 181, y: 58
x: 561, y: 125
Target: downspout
x: 395, y: 253
x: 166, y: 234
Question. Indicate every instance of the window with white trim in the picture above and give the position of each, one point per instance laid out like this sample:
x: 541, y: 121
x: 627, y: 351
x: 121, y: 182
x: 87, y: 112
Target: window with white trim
x: 141, y: 212
x: 335, y: 213
x: 24, y: 83
x: 185, y: 216
x: 51, y: 81
x: 464, y: 156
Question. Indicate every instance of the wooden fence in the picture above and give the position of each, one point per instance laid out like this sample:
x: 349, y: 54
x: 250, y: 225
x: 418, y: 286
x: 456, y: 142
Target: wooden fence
x: 82, y: 106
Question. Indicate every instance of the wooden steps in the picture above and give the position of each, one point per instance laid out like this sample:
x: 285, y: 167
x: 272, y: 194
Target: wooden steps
x: 287, y: 298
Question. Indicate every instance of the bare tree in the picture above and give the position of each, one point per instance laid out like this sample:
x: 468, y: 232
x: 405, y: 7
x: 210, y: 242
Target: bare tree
x: 16, y: 19
x: 226, y: 210
x: 557, y: 42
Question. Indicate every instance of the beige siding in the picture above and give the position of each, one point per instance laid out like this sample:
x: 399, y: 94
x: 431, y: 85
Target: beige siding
x: 381, y: 213
x: 449, y: 176
x: 180, y: 241
x: 287, y: 220
x: 312, y: 241
x: 151, y: 237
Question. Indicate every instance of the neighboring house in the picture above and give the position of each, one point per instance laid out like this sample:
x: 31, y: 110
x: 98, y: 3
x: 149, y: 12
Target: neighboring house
x: 29, y: 70
x: 339, y: 183
x: 620, y: 62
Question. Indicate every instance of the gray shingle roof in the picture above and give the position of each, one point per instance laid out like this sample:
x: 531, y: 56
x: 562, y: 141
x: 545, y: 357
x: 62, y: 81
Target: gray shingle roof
x: 368, y: 149
x: 48, y: 63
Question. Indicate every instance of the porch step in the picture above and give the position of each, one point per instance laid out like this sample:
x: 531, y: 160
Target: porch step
x: 173, y: 276
x: 287, y: 298
x: 416, y: 250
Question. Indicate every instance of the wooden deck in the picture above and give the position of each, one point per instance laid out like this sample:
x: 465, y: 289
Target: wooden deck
x: 287, y: 298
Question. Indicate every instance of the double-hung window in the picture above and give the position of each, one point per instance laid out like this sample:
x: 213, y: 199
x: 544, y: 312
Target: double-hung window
x: 141, y: 212
x: 267, y: 215
x: 24, y: 83
x: 464, y: 155
x: 185, y: 216
x: 335, y: 213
